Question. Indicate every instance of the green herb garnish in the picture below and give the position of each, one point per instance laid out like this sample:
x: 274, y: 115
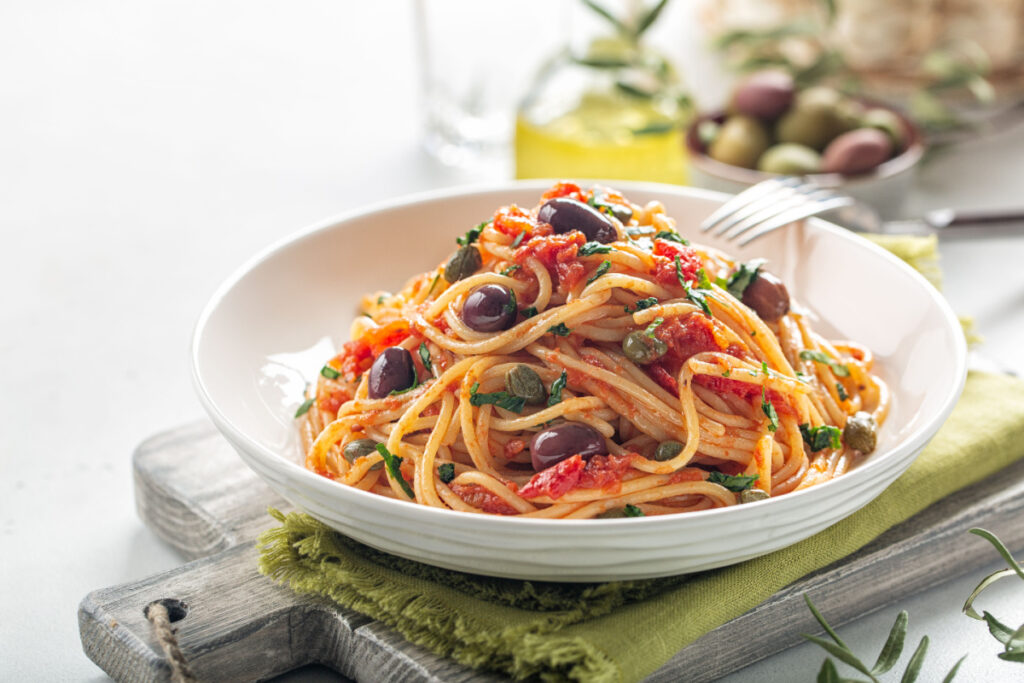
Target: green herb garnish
x: 702, y: 279
x: 528, y: 312
x: 672, y: 237
x: 511, y: 269
x: 841, y: 390
x: 593, y: 248
x: 655, y: 324
x: 632, y: 511
x: 736, y: 483
x: 640, y: 231
x: 433, y: 283
x: 512, y: 306
x: 380, y: 299
x: 642, y: 304
x: 518, y: 240
x: 501, y: 399
x: 560, y: 329
x: 838, y: 369
x: 743, y: 277
x: 601, y: 270
x: 820, y: 438
x: 446, y: 472
x: 425, y: 357
x: 697, y: 296
x: 393, y: 464
x: 329, y: 372
x: 304, y: 408
x: 555, y: 395
x: 472, y: 235
x: 769, y: 411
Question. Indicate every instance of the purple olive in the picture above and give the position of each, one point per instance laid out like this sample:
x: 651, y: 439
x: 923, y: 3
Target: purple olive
x: 555, y: 444
x: 391, y: 371
x: 565, y: 214
x: 768, y: 296
x: 764, y: 95
x: 490, y: 308
x: 856, y: 152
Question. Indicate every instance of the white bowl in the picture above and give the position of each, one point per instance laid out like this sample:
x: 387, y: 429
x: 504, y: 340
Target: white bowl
x: 270, y: 327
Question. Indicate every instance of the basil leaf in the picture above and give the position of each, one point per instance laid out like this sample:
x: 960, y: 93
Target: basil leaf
x: 672, y: 237
x: 304, y: 408
x: 820, y: 438
x: 642, y: 304
x: 593, y: 248
x: 745, y: 274
x: 841, y: 390
x: 769, y: 410
x: 528, y: 312
x: 446, y: 472
x: 555, y: 395
x: 838, y: 369
x: 425, y: 357
x: 512, y: 306
x: 560, y: 329
x: 601, y: 270
x: 736, y: 483
x: 393, y: 465
x: 632, y: 511
x: 501, y: 399
x: 329, y: 372
x: 697, y: 296
x: 472, y: 235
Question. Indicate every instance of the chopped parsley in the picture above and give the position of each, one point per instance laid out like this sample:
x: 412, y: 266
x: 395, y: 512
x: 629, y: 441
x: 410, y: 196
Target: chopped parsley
x: 425, y: 357
x: 555, y: 395
x: 511, y: 269
x: 632, y: 511
x: 601, y: 270
x: 734, y: 483
x: 446, y: 472
x: 642, y: 304
x: 415, y: 383
x: 727, y: 372
x: 671, y: 237
x: 697, y: 296
x: 528, y: 312
x: 472, y: 235
x: 393, y: 463
x: 560, y: 329
x: 501, y: 399
x: 655, y: 324
x: 434, y: 283
x: 769, y: 411
x: 764, y: 368
x: 380, y: 299
x: 702, y: 279
x: 743, y: 277
x: 819, y: 438
x: 512, y: 306
x: 304, y: 408
x: 838, y: 369
x: 518, y: 240
x: 841, y: 390
x: 329, y: 372
x: 593, y: 248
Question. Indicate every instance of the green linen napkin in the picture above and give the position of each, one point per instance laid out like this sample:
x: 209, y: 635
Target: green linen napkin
x: 575, y: 631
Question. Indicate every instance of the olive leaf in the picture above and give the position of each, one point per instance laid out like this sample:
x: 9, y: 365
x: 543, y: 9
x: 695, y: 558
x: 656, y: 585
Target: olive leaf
x: 1012, y: 640
x: 632, y: 30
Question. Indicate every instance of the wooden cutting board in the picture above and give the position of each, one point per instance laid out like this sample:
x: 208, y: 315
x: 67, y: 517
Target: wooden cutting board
x: 194, y: 492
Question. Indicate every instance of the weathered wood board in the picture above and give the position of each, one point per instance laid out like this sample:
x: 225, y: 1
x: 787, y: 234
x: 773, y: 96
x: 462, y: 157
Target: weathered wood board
x: 194, y: 492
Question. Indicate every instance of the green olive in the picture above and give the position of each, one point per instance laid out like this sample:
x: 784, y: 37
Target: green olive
x: 813, y: 120
x: 861, y: 432
x: 740, y: 142
x: 667, y: 450
x: 753, y: 495
x: 851, y: 114
x: 642, y: 349
x: 887, y: 122
x: 359, y: 449
x: 789, y: 158
x: 523, y: 382
x: 462, y: 264
x: 707, y: 131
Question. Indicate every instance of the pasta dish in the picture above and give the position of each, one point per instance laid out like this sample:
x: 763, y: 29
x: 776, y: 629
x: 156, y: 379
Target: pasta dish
x: 582, y: 359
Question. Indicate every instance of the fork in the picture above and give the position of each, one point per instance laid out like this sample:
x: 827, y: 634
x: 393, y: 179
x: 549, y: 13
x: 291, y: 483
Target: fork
x: 770, y: 205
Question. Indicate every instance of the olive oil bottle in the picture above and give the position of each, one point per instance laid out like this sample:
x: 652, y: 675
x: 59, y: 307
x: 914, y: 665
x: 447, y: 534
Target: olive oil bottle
x: 613, y: 109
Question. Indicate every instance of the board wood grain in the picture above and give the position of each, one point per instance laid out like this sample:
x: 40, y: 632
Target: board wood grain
x: 193, y: 491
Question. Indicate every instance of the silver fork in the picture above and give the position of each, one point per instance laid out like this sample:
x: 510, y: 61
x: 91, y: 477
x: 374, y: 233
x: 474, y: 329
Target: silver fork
x: 770, y: 205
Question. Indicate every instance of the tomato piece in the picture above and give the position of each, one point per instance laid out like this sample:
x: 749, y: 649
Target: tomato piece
x: 745, y: 390
x: 665, y: 265
x: 481, y: 498
x: 511, y: 221
x: 514, y: 447
x: 565, y: 190
x: 558, y: 254
x: 555, y: 481
x: 355, y: 358
x: 605, y: 472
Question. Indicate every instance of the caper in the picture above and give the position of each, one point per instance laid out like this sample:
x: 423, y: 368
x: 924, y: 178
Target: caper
x: 642, y: 348
x: 523, y: 382
x: 753, y: 495
x: 887, y: 122
x: 612, y: 513
x: 740, y: 142
x: 667, y: 450
x: 361, y: 448
x: 462, y: 264
x: 790, y: 158
x: 861, y: 432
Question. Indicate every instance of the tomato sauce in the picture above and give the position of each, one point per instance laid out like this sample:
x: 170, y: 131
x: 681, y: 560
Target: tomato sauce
x: 355, y: 359
x: 558, y: 254
x: 513, y: 221
x: 605, y: 472
x: 665, y: 264
x: 571, y: 190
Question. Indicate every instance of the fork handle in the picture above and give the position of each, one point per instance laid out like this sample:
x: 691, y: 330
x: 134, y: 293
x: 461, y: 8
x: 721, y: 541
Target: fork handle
x: 950, y: 218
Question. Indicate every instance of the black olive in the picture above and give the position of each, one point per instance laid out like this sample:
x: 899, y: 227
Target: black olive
x: 555, y: 444
x: 490, y: 308
x: 391, y: 371
x: 767, y: 296
x: 565, y: 214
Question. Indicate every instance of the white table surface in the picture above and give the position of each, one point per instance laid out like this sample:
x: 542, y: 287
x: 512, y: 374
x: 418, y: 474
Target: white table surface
x: 147, y: 149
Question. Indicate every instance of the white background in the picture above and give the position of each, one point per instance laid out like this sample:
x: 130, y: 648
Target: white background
x: 148, y: 148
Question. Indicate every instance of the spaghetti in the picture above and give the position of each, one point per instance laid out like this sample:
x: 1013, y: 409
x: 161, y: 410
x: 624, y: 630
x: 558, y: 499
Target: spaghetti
x: 583, y: 360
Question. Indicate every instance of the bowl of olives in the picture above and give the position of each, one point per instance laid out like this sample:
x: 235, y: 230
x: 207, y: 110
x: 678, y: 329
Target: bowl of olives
x: 769, y: 128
